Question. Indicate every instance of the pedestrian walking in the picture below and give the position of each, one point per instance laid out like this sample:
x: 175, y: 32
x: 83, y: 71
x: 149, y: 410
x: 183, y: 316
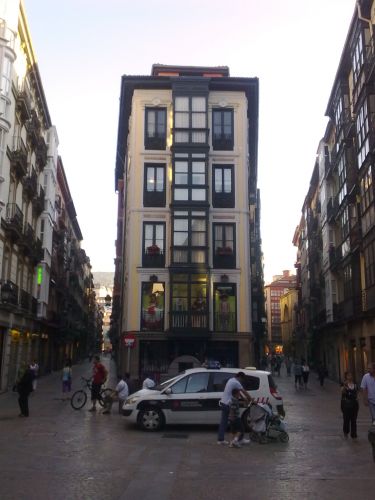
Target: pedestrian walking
x: 235, y: 382
x: 368, y: 390
x: 99, y: 376
x: 349, y: 405
x: 322, y: 373
x: 305, y: 373
x: 120, y: 394
x: 235, y: 423
x: 24, y: 387
x: 273, y: 365
x: 278, y: 365
x: 67, y: 377
x: 288, y: 365
x: 297, y: 371
x: 34, y: 368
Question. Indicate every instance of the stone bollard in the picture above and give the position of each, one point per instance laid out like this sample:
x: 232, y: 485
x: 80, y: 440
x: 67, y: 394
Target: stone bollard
x: 371, y: 438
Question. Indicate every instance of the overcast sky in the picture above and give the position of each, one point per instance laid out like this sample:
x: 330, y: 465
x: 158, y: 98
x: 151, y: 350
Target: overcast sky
x: 293, y: 47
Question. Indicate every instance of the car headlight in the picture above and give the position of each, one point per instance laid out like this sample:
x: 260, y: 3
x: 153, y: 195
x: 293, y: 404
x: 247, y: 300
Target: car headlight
x: 131, y: 401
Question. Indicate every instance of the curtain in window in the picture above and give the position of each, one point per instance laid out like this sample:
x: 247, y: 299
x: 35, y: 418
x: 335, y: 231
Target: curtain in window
x: 227, y: 180
x: 151, y: 123
x: 160, y: 180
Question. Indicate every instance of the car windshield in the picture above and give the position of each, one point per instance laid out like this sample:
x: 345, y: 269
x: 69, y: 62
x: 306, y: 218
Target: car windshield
x: 165, y: 384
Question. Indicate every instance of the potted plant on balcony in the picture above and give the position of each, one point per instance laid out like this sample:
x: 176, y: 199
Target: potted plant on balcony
x: 224, y: 251
x: 153, y: 250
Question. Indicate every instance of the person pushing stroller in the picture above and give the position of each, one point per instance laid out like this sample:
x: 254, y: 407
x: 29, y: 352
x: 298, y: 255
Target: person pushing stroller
x: 235, y: 424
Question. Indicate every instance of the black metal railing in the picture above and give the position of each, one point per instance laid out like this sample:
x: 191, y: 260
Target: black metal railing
x: 153, y: 259
x: 224, y: 260
x: 186, y: 319
x: 9, y: 293
x: 14, y: 217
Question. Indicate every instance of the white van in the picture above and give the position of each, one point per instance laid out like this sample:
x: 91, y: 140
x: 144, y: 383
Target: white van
x: 193, y: 396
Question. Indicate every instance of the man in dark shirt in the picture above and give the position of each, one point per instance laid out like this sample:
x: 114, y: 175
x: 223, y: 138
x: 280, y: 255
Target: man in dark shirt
x: 24, y: 388
x: 99, y: 376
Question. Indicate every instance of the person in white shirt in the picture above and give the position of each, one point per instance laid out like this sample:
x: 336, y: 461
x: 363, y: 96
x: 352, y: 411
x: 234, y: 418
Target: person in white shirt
x: 120, y: 394
x: 224, y: 403
x: 148, y: 383
x: 368, y: 390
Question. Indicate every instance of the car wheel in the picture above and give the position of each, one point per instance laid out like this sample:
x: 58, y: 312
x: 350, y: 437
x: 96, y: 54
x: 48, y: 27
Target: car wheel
x: 284, y: 437
x: 151, y: 420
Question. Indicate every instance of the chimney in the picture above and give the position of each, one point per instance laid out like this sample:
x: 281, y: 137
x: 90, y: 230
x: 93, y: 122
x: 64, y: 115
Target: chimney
x: 286, y: 274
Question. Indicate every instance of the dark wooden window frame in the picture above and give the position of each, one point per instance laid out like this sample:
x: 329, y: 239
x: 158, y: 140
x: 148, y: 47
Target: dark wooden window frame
x: 154, y: 198
x: 159, y: 141
x: 217, y: 285
x: 190, y: 130
x: 222, y: 143
x: 224, y: 261
x: 153, y: 259
x: 222, y: 199
x: 189, y: 248
x: 190, y: 186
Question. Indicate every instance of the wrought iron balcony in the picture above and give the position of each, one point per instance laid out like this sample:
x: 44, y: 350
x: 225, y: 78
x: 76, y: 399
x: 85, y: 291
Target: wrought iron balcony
x: 38, y: 202
x: 224, y: 258
x: 18, y: 157
x: 24, y: 105
x: 335, y: 256
x: 33, y: 129
x: 9, y: 293
x: 13, y: 222
x: 153, y: 259
x: 30, y: 184
x: 332, y: 207
x: 41, y: 153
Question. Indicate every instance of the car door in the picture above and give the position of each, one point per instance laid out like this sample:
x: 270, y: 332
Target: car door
x: 187, y: 399
x: 218, y: 380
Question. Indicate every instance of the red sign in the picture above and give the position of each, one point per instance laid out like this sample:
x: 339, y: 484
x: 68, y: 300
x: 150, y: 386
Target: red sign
x: 129, y: 340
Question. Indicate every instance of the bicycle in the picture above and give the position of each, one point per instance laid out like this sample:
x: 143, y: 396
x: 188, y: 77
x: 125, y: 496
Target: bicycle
x: 79, y: 398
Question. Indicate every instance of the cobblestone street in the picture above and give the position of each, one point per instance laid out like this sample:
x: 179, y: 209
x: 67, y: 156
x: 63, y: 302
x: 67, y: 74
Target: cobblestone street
x: 59, y: 453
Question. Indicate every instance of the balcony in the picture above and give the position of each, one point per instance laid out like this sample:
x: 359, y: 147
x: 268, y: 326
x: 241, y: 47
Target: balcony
x: 25, y: 300
x: 9, y: 293
x: 332, y: 207
x: 355, y: 236
x: 41, y: 153
x: 13, y: 222
x: 153, y: 258
x: 224, y: 258
x: 33, y: 128
x: 38, y: 202
x: 335, y: 256
x: 23, y: 104
x: 30, y: 184
x: 18, y: 157
x: 37, y: 252
x: 28, y: 239
x: 225, y: 322
x: 185, y: 321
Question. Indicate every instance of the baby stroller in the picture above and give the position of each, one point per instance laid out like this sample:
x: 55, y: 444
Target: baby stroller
x: 265, y: 425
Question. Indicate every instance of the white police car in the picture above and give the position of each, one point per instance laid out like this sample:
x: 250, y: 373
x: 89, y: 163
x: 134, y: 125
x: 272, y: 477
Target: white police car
x: 193, y: 396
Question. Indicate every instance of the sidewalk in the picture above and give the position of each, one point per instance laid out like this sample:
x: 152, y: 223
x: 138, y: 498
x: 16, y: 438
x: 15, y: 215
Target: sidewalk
x: 49, y: 390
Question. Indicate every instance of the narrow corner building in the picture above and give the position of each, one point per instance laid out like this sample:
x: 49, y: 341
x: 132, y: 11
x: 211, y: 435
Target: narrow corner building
x: 189, y: 279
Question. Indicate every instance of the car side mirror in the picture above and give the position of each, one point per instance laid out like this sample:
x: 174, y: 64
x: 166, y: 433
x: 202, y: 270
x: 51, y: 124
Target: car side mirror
x: 167, y: 391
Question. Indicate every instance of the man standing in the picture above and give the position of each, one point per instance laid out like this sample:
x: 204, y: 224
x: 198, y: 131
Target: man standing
x: 233, y: 383
x: 99, y: 376
x: 368, y: 389
x: 120, y: 394
x: 24, y: 388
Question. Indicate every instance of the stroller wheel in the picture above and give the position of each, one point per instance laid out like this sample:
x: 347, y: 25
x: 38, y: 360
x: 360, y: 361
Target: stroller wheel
x: 284, y: 437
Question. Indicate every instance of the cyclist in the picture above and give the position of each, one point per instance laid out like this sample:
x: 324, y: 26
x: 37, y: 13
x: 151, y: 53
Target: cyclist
x: 99, y: 376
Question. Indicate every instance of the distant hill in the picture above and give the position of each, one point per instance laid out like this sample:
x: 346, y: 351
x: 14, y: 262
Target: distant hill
x: 103, y: 278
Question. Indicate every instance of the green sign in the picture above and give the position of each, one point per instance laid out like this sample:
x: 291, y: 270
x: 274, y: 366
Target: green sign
x: 39, y: 275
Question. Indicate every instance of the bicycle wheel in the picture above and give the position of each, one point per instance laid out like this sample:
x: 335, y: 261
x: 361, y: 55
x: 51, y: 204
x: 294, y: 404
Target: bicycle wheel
x: 78, y: 400
x: 103, y: 394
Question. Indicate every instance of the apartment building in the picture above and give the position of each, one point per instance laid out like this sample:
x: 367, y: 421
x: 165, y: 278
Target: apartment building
x: 188, y: 280
x: 339, y: 213
x: 28, y: 183
x: 273, y: 292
